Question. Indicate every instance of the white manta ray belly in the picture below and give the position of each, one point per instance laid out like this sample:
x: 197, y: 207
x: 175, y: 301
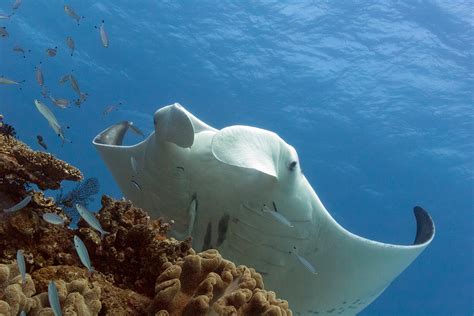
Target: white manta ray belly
x: 240, y: 190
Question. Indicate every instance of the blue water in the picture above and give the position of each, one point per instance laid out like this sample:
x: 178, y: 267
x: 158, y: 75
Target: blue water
x: 376, y: 96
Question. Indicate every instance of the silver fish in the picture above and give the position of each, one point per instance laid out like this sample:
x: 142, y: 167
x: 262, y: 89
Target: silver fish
x: 62, y: 103
x: 134, y: 164
x: 20, y: 261
x: 192, y: 216
x: 39, y: 75
x: 5, y: 16
x: 111, y: 108
x: 70, y: 43
x: 74, y: 84
x: 82, y: 253
x: 51, y: 52
x: 82, y: 98
x: 282, y: 219
x: 53, y: 218
x: 64, y: 78
x: 19, y: 205
x: 16, y: 4
x: 4, y: 80
x: 135, y: 129
x: 51, y: 118
x: 70, y: 11
x: 54, y: 299
x: 136, y: 185
x: 3, y: 31
x: 306, y: 264
x: 18, y: 49
x: 91, y: 220
x: 103, y: 35
x: 23, y: 313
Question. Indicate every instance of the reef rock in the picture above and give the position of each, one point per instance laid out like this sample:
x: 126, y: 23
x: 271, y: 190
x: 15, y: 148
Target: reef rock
x: 138, y: 270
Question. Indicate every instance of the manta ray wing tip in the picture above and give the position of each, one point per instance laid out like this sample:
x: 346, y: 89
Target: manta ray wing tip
x: 425, y: 228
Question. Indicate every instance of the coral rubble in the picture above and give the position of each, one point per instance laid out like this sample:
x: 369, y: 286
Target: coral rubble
x: 138, y: 270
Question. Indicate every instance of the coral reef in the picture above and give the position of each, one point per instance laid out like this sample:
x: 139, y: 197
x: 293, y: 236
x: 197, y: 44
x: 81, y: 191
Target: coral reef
x: 83, y: 194
x: 19, y: 165
x: 138, y: 270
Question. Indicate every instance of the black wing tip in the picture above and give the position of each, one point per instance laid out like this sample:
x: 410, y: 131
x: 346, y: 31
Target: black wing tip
x: 113, y: 135
x: 425, y: 228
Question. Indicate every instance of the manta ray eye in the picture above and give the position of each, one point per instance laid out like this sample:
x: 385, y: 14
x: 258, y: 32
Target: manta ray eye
x: 292, y: 165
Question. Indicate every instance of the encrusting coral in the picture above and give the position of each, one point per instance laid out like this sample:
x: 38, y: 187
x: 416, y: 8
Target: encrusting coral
x: 207, y: 284
x: 138, y: 270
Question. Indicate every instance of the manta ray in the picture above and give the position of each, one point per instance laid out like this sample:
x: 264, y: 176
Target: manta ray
x: 241, y: 191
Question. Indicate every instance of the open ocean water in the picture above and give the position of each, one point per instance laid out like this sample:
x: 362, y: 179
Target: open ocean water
x: 376, y: 96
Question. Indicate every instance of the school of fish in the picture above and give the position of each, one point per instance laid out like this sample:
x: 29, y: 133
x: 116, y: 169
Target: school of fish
x: 39, y: 74
x: 58, y: 128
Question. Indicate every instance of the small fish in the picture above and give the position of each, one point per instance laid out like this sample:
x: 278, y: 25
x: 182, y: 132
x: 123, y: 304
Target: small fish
x: 23, y: 313
x: 74, y: 84
x: 51, y: 118
x: 70, y: 11
x: 44, y: 91
x: 39, y: 75
x: 82, y: 98
x: 5, y: 16
x: 53, y: 218
x: 41, y: 142
x: 70, y: 43
x: 4, y: 80
x: 192, y: 216
x: 51, y: 52
x: 282, y: 219
x: 111, y: 108
x: 20, y: 261
x: 134, y: 164
x: 62, y: 103
x: 16, y: 4
x: 64, y: 78
x: 104, y: 38
x: 82, y: 253
x: 91, y: 220
x: 136, y: 185
x: 20, y: 205
x: 135, y: 129
x: 3, y: 31
x: 19, y: 49
x: 54, y: 299
x: 306, y: 264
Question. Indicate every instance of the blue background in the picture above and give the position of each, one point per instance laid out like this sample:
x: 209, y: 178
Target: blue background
x: 376, y: 96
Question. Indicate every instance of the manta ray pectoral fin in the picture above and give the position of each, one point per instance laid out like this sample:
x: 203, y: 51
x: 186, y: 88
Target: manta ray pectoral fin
x: 174, y: 125
x: 118, y: 157
x: 359, y: 269
x: 113, y: 135
x: 248, y: 147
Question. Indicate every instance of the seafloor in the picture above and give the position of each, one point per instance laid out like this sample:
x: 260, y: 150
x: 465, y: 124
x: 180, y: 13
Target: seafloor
x: 138, y: 270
